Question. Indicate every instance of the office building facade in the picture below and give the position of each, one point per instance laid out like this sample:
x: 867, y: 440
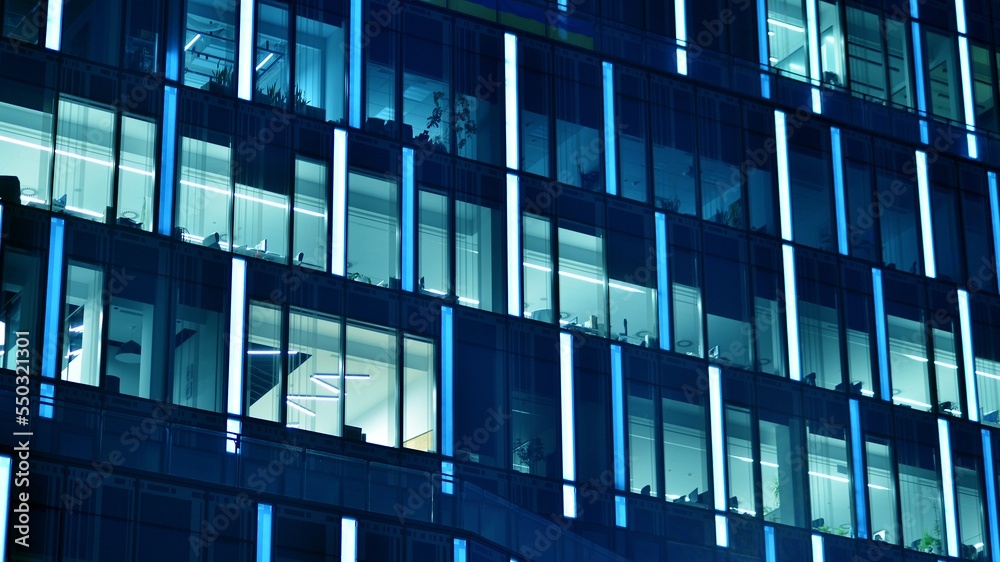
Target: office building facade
x: 470, y: 280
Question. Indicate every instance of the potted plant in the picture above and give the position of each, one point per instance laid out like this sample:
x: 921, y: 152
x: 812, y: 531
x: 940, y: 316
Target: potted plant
x: 302, y: 106
x: 464, y: 125
x: 272, y: 96
x: 221, y: 81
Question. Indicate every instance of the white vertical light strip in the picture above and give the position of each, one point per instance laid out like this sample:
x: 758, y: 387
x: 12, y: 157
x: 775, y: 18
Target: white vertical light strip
x: 991, y: 494
x: 812, y: 24
x: 168, y: 152
x: 926, y: 228
x: 338, y: 246
x: 968, y: 360
x: 460, y: 551
x: 718, y: 438
x: 610, y: 153
x: 838, y: 187
x: 244, y: 74
x: 880, y: 335
x: 858, y: 466
x: 234, y: 428
x: 791, y: 312
x: 970, y: 107
x: 721, y: 531
x: 237, y: 328
x: 354, y: 99
x: 618, y: 416
x: 762, y: 49
x: 784, y: 190
x: 621, y: 512
x: 53, y: 25
x: 264, y: 538
x: 5, y: 470
x: 948, y: 480
x: 769, y: 550
x: 348, y: 539
x: 995, y: 214
x: 568, y: 433
x: 569, y: 501
x: 960, y: 16
x: 817, y: 548
x: 663, y: 282
x: 513, y: 245
x: 447, y: 382
x: 409, y: 220
x: 510, y: 99
x: 53, y: 298
x: 680, y: 30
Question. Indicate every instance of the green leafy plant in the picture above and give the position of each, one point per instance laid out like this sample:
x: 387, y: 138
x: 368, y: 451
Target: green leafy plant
x: 930, y: 542
x: 274, y: 95
x: 529, y: 452
x: 461, y: 121
x: 300, y: 100
x: 223, y: 75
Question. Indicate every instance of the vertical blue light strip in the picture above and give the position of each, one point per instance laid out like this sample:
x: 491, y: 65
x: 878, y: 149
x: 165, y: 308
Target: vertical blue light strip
x: 926, y: 227
x: 784, y: 190
x: 610, y: 163
x: 447, y: 382
x: 918, y: 65
x: 858, y: 466
x: 460, y: 551
x: 514, y: 307
x: 5, y: 473
x: 680, y: 31
x: 762, y: 47
x: 245, y: 72
x: 566, y: 420
x: 791, y: 312
x: 995, y: 214
x: 880, y: 335
x: 264, y: 529
x: 663, y: 282
x: 769, y: 550
x: 348, y: 539
x: 968, y: 359
x: 817, y: 548
x: 991, y: 494
x: 838, y: 187
x: 447, y: 477
x: 168, y: 164
x: 621, y: 512
x: 960, y: 16
x: 53, y: 25
x: 354, y: 99
x: 53, y: 299
x: 237, y: 329
x: 718, y: 438
x: 338, y: 246
x: 409, y: 220
x: 948, y: 480
x: 510, y: 99
x: 618, y: 416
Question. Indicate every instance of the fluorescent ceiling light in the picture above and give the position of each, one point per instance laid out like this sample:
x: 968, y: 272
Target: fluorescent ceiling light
x: 25, y: 144
x: 302, y: 409
x: 877, y: 487
x: 538, y: 267
x: 82, y: 211
x: 580, y: 277
x: 829, y: 477
x: 467, y: 300
x: 625, y: 288
x: 910, y: 401
x: 206, y: 187
x: 308, y: 212
x: 136, y: 171
x: 325, y: 384
x: 788, y: 26
x: 945, y: 365
x: 313, y: 397
x: 914, y: 357
x: 77, y: 329
x: 263, y: 62
x: 282, y: 206
x: 192, y: 42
